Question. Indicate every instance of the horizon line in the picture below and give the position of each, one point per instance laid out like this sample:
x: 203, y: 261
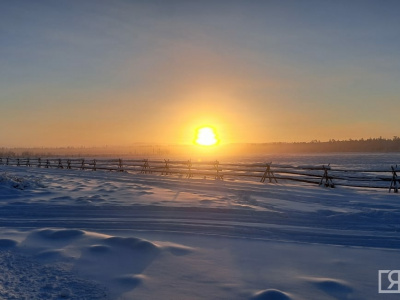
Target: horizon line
x: 145, y: 144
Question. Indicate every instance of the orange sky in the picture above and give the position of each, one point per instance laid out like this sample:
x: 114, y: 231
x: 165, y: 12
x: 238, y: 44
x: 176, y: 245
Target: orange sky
x: 78, y: 74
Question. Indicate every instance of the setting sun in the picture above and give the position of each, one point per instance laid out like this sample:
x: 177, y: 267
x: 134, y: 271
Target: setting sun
x: 206, y: 136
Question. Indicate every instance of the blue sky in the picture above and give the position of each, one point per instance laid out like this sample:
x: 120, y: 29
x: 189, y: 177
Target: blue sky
x: 118, y: 72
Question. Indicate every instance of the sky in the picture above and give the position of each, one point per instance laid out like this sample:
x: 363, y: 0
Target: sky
x: 95, y: 73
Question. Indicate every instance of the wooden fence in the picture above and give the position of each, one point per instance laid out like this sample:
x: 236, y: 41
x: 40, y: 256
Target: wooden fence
x: 323, y: 175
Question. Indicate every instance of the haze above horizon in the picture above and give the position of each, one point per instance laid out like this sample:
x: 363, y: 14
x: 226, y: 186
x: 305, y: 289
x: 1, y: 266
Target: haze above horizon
x: 94, y: 73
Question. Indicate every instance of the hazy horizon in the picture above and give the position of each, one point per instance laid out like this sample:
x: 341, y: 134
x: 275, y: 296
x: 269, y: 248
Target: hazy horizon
x: 190, y: 143
x: 143, y: 150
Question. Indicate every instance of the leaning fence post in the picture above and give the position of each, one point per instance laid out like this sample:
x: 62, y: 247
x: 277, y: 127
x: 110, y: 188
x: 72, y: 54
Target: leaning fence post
x: 328, y: 179
x: 393, y: 183
x: 145, y: 167
x: 166, y: 168
x: 60, y: 166
x: 268, y: 173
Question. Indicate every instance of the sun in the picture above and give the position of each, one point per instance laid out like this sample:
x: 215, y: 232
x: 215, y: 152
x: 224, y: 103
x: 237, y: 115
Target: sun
x: 206, y: 136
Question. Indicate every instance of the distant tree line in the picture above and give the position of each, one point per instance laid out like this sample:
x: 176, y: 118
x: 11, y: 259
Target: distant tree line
x: 362, y: 145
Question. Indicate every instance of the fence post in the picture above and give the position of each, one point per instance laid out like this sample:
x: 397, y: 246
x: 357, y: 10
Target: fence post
x: 328, y: 179
x: 7, y: 161
x: 120, y: 167
x: 68, y: 164
x: 28, y: 162
x: 47, y: 164
x: 268, y: 173
x: 83, y: 164
x: 94, y: 164
x: 393, y: 183
x: 39, y: 162
x: 189, y: 164
x: 216, y: 167
x: 166, y: 168
x: 145, y: 167
x: 60, y: 166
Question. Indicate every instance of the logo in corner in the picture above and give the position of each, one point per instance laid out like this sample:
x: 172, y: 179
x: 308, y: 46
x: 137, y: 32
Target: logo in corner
x: 389, y: 281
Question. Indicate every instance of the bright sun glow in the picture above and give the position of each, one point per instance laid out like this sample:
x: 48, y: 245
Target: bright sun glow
x: 206, y: 136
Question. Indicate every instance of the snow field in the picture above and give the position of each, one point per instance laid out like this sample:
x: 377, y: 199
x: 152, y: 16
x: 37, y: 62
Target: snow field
x: 99, y: 235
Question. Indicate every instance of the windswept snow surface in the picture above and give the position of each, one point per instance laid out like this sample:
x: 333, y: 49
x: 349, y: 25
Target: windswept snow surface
x: 104, y: 235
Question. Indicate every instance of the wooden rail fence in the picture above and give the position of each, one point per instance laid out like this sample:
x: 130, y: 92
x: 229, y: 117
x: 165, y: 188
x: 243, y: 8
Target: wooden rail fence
x: 323, y: 175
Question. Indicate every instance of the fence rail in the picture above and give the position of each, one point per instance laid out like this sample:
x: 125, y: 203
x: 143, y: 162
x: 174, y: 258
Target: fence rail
x: 323, y: 175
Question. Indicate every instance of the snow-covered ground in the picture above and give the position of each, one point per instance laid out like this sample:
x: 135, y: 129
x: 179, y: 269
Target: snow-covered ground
x: 68, y: 234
